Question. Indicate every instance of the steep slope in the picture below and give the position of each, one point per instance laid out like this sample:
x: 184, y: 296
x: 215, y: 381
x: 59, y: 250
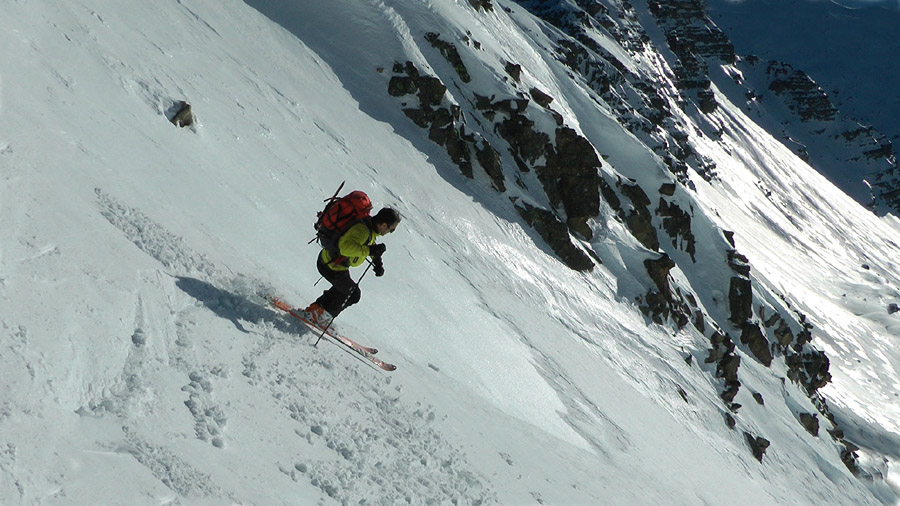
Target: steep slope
x: 813, y: 73
x: 143, y: 368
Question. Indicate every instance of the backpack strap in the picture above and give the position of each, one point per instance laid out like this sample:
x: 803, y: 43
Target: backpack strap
x: 337, y: 258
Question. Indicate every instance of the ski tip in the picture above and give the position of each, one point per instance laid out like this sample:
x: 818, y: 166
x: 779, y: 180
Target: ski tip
x: 278, y: 303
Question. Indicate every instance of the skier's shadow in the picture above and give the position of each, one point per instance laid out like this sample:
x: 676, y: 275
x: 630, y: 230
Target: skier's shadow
x: 234, y: 307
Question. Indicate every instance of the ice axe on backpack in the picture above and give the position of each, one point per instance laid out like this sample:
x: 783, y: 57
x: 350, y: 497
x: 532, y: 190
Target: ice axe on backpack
x: 337, y: 217
x: 329, y: 201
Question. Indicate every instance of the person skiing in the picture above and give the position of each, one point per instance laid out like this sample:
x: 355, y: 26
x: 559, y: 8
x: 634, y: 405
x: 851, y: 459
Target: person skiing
x: 353, y: 248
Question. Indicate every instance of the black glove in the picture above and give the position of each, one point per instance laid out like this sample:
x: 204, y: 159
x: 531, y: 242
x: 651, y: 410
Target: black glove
x: 378, y: 267
x: 376, y: 250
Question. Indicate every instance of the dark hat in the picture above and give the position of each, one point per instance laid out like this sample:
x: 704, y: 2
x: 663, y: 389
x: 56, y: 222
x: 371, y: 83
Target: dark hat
x: 387, y: 216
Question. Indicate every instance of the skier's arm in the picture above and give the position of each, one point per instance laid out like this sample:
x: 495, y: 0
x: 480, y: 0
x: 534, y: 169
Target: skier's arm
x: 353, y: 243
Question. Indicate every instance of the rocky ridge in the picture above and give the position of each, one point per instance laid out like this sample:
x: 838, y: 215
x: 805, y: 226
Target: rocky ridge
x: 510, y: 133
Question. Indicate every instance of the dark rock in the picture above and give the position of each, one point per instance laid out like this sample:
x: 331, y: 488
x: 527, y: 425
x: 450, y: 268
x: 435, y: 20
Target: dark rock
x: 639, y: 220
x: 728, y: 367
x: 514, y: 70
x: 738, y: 263
x: 422, y: 117
x: 658, y: 269
x: 753, y: 337
x: 706, y: 101
x: 449, y: 52
x: 572, y: 178
x: 700, y: 322
x: 511, y: 106
x: 740, y: 299
x: 401, y: 85
x: 809, y: 368
x: 528, y: 145
x: 729, y: 393
x: 677, y: 223
x: 810, y: 422
x: 489, y: 159
x: 850, y: 458
x: 758, y: 445
x: 540, y: 98
x: 729, y: 236
x: 783, y: 334
x: 184, y: 116
x: 556, y: 234
x: 609, y: 195
x: 802, y: 94
x: 482, y: 5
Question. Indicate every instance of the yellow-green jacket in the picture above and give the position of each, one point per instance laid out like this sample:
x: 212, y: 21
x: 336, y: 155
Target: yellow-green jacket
x: 353, y: 246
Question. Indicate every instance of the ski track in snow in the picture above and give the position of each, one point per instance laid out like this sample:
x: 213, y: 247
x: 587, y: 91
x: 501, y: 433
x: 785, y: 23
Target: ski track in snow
x: 383, y: 444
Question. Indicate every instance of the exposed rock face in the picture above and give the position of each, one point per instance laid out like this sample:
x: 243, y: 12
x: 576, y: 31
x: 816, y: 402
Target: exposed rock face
x: 885, y: 187
x: 482, y: 5
x: 444, y: 121
x: 514, y: 70
x: 727, y: 364
x: 450, y: 53
x: 183, y: 116
x: 556, y: 234
x: 758, y: 445
x: 693, y: 37
x: 756, y: 341
x: 810, y: 422
x: 639, y: 103
x: 665, y: 304
x: 809, y: 368
x: 740, y: 291
x: 804, y: 96
x: 740, y: 300
x: 677, y: 223
x: 571, y: 178
x: 639, y: 219
x: 698, y: 43
x: 658, y: 269
x: 566, y: 164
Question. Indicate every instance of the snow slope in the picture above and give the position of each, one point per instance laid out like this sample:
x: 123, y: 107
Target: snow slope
x: 140, y: 366
x: 847, y: 47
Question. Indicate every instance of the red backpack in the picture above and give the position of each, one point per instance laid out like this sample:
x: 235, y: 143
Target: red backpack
x: 339, y: 215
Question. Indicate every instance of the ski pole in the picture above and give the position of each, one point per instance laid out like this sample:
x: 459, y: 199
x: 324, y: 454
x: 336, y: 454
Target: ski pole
x: 342, y: 306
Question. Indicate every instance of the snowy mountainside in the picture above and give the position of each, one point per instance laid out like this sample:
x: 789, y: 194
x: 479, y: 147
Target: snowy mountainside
x: 846, y: 46
x: 558, y: 298
x: 818, y: 83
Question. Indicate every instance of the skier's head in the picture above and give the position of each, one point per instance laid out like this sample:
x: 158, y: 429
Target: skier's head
x: 386, y: 220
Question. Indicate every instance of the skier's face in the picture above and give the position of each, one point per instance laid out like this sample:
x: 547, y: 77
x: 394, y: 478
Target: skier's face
x: 384, y: 228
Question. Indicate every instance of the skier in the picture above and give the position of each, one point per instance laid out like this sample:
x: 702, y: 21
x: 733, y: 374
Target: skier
x: 353, y: 248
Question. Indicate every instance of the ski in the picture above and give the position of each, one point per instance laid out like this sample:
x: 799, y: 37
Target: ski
x: 284, y: 306
x: 365, y: 351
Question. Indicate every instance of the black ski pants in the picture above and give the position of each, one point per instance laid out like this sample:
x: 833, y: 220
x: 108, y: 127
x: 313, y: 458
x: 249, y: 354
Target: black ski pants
x: 344, y: 292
